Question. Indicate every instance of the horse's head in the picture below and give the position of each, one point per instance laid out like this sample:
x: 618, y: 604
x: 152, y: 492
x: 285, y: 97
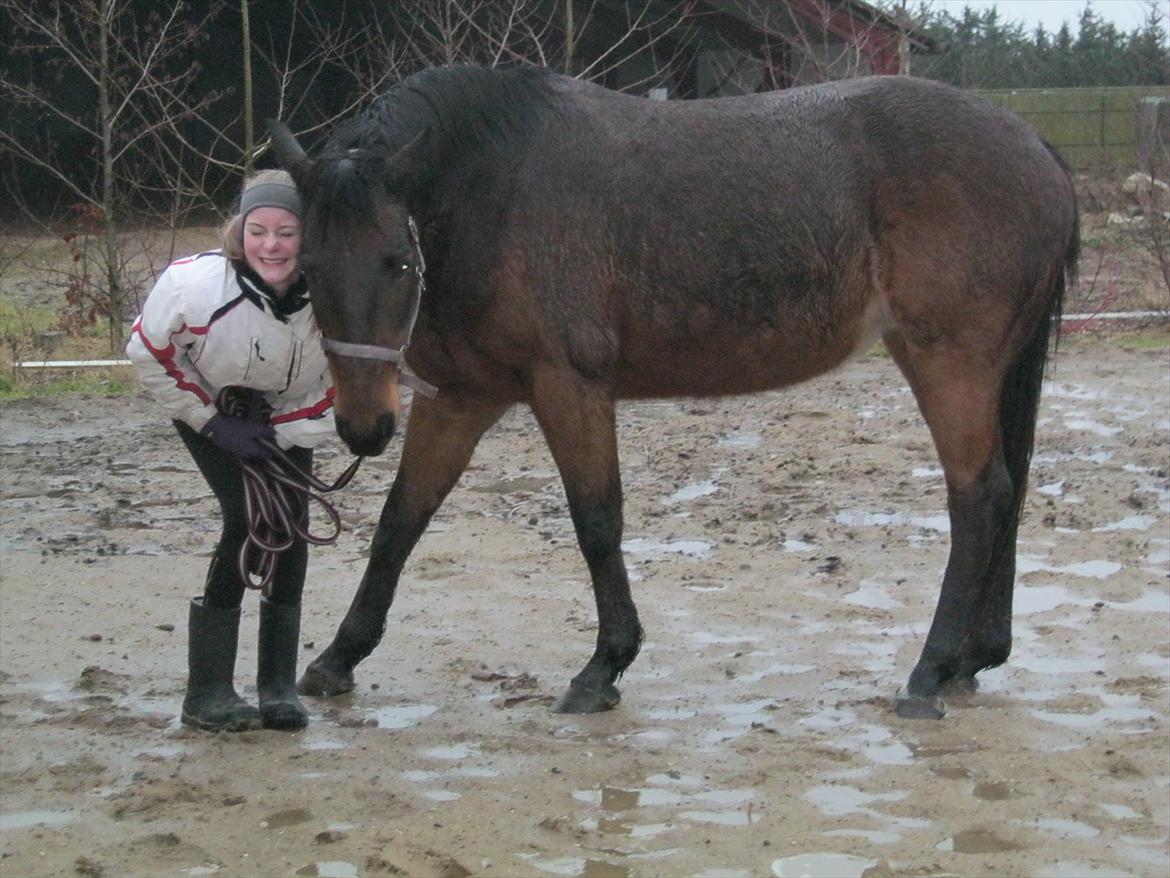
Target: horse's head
x: 361, y: 255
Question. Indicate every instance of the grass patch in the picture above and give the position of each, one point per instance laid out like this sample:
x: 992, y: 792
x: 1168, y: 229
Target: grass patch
x: 94, y: 382
x: 1144, y: 340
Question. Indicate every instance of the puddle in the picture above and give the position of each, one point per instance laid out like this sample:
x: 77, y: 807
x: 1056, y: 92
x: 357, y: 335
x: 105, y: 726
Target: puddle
x: 1077, y: 421
x: 1099, y: 569
x: 692, y: 492
x: 821, y: 866
x: 1073, y: 828
x: 325, y: 745
x: 530, y: 484
x: 1042, y: 598
x: 199, y: 871
x: 977, y: 841
x: 798, y: 546
x: 1081, y: 870
x: 442, y: 795
x: 1120, y: 812
x: 873, y: 836
x: 577, y: 867
x: 772, y: 670
x: 688, y: 548
x: 402, y: 717
x: 25, y: 819
x: 857, y: 518
x: 872, y: 595
x: 1133, y: 522
x: 1119, y: 714
x: 838, y: 800
x: 740, y: 439
x: 330, y: 869
x: 454, y: 751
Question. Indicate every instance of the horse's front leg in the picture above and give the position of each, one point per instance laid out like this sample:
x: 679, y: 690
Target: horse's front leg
x: 578, y: 422
x: 440, y: 438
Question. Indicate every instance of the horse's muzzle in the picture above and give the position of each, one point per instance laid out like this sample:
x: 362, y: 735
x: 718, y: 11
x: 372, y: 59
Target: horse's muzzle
x: 367, y: 443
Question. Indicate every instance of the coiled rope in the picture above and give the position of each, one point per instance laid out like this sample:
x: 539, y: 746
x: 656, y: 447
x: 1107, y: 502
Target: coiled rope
x: 277, y: 496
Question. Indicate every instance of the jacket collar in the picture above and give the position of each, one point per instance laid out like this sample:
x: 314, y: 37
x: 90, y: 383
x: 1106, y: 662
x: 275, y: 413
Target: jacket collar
x: 259, y: 293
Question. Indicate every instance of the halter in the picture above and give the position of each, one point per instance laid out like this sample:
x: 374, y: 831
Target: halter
x: 397, y: 356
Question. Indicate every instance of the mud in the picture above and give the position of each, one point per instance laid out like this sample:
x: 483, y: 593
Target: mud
x: 786, y: 550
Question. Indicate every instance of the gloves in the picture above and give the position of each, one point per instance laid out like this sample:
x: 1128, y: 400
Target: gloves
x: 238, y: 436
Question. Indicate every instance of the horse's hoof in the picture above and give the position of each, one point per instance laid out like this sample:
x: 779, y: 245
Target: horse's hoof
x: 320, y: 681
x: 920, y: 707
x: 582, y: 700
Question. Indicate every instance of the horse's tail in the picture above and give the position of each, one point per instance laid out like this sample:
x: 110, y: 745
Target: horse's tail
x: 1020, y: 399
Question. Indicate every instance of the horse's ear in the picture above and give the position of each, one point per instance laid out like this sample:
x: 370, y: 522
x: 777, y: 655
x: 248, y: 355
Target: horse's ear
x: 410, y: 159
x: 288, y: 152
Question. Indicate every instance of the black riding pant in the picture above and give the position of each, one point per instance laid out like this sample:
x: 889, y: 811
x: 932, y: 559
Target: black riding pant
x: 224, y: 587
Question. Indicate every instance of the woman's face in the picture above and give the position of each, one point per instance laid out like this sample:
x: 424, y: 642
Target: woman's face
x: 272, y: 245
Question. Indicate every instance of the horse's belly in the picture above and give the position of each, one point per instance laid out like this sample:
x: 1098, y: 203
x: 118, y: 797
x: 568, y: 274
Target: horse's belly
x: 744, y: 365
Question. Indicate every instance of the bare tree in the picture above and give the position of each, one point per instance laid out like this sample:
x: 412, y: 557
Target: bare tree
x: 133, y: 86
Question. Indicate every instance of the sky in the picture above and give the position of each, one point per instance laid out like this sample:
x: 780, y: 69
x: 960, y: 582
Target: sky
x: 1126, y: 15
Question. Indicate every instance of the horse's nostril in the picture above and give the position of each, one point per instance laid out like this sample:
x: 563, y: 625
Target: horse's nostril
x: 367, y: 443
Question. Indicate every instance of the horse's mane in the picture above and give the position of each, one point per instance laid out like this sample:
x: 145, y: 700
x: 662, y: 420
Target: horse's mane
x: 423, y: 129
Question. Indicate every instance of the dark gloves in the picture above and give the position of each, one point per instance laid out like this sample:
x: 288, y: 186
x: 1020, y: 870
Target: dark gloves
x: 238, y: 437
x: 242, y: 419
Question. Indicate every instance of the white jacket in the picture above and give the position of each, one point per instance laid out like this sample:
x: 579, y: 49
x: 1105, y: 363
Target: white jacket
x: 200, y: 331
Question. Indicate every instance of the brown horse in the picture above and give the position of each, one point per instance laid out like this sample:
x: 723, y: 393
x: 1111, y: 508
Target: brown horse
x: 583, y: 246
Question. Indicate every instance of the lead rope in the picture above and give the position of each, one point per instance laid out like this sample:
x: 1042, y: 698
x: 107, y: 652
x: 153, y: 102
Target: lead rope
x: 277, y: 494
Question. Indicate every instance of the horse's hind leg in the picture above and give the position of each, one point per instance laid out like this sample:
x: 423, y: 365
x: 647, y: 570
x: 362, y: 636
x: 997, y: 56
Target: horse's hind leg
x: 578, y: 423
x: 971, y: 628
x: 440, y: 438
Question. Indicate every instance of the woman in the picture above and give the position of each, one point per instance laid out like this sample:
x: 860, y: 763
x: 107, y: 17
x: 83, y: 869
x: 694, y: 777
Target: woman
x: 237, y: 323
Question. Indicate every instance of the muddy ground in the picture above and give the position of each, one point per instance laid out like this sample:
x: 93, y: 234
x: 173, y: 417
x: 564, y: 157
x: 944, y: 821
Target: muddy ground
x: 786, y: 549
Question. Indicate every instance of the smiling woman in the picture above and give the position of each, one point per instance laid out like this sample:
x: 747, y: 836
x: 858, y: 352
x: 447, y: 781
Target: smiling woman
x: 228, y: 344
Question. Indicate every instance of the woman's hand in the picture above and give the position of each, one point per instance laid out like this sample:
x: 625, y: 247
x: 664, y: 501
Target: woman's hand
x: 240, y: 437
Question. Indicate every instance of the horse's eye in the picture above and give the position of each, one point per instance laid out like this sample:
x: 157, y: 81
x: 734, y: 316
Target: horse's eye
x: 396, y: 265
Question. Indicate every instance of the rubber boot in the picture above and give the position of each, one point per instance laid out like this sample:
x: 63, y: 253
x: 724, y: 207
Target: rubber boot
x: 211, y: 702
x: 276, y: 670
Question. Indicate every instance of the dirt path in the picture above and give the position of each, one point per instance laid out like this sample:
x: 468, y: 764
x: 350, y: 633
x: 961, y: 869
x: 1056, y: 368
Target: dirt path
x: 787, y: 550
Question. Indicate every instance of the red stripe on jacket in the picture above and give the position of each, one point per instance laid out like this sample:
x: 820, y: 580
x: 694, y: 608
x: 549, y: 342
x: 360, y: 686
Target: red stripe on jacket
x: 166, y: 359
x: 308, y: 412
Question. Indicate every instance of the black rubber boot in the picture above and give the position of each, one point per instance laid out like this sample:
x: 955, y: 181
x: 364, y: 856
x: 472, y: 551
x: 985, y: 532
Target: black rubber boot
x: 276, y: 670
x: 211, y: 702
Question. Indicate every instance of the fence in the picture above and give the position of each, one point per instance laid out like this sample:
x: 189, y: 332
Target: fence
x: 1090, y: 126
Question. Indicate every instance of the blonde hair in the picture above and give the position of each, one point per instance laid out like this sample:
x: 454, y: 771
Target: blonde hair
x: 232, y: 232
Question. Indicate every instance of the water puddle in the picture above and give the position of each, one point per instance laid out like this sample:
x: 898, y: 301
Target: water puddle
x: 577, y: 867
x: 692, y: 492
x: 857, y: 518
x: 1097, y: 569
x: 821, y: 866
x: 25, y: 819
x: 977, y: 841
x: 687, y: 548
x: 527, y: 484
x: 1078, y: 421
x: 1132, y: 522
x: 1066, y: 828
x: 402, y: 717
x: 325, y: 745
x: 740, y: 439
x: 329, y: 869
x: 838, y: 800
x: 452, y: 752
x: 872, y: 594
x: 798, y: 546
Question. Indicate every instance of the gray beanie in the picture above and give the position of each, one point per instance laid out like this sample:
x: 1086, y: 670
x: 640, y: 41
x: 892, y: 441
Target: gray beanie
x: 280, y: 195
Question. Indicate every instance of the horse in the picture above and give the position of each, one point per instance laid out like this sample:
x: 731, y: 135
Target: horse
x: 583, y: 246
